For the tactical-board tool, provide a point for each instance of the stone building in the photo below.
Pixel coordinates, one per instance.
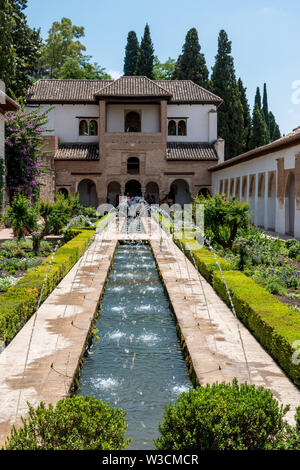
(129, 136)
(269, 178)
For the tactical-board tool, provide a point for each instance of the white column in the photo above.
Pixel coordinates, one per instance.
(256, 200)
(266, 215)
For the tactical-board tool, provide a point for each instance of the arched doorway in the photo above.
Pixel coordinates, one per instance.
(152, 191)
(271, 202)
(260, 221)
(205, 192)
(290, 205)
(252, 196)
(64, 192)
(180, 192)
(133, 188)
(87, 193)
(113, 191)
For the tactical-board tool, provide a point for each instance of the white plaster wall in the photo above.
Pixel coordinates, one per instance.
(63, 122)
(263, 164)
(115, 117)
(201, 125)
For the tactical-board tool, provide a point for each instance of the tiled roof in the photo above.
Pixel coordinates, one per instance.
(55, 91)
(77, 152)
(187, 91)
(85, 91)
(133, 86)
(190, 151)
(287, 140)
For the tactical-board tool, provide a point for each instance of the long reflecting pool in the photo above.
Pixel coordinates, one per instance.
(137, 364)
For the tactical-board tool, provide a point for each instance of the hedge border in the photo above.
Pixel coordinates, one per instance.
(19, 303)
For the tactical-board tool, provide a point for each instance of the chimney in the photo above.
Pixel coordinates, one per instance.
(220, 149)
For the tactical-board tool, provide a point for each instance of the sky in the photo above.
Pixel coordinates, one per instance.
(265, 37)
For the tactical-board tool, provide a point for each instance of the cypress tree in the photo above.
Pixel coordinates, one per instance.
(265, 106)
(259, 132)
(191, 64)
(257, 98)
(145, 59)
(230, 114)
(131, 54)
(246, 114)
(274, 128)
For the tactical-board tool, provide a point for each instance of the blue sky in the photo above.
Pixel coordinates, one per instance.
(265, 37)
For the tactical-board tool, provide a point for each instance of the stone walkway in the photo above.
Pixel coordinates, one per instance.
(57, 334)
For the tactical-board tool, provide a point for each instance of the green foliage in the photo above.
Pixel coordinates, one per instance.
(191, 64)
(163, 71)
(231, 113)
(259, 132)
(131, 54)
(257, 100)
(223, 218)
(293, 247)
(265, 107)
(145, 59)
(246, 115)
(22, 216)
(77, 423)
(223, 417)
(81, 69)
(273, 323)
(20, 302)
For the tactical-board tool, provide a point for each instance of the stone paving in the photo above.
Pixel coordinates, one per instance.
(57, 334)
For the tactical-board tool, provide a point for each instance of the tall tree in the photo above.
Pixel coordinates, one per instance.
(131, 54)
(259, 132)
(230, 114)
(20, 47)
(61, 45)
(146, 55)
(76, 68)
(266, 106)
(163, 70)
(246, 114)
(191, 64)
(274, 128)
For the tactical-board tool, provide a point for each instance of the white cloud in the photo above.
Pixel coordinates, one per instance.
(114, 74)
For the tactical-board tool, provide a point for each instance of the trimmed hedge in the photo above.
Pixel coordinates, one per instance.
(19, 303)
(272, 322)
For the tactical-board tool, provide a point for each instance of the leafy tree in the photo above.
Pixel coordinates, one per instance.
(20, 47)
(77, 423)
(163, 70)
(259, 132)
(224, 218)
(231, 113)
(191, 64)
(246, 114)
(223, 417)
(131, 54)
(62, 44)
(146, 55)
(81, 68)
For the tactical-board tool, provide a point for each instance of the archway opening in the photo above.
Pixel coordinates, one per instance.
(261, 201)
(204, 192)
(152, 193)
(133, 166)
(113, 193)
(133, 188)
(271, 202)
(290, 205)
(64, 192)
(132, 122)
(180, 192)
(87, 193)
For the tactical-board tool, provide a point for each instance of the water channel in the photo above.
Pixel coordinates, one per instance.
(137, 363)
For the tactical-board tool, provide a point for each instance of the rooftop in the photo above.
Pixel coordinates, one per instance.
(90, 91)
(178, 151)
(77, 152)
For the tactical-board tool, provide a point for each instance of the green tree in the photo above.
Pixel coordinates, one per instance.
(146, 55)
(61, 45)
(274, 128)
(257, 100)
(259, 131)
(131, 54)
(81, 68)
(191, 64)
(20, 47)
(265, 107)
(163, 70)
(246, 115)
(230, 114)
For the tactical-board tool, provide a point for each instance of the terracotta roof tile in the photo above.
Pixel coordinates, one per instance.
(133, 86)
(187, 91)
(77, 152)
(65, 90)
(190, 151)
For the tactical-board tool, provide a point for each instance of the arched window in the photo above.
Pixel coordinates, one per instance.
(83, 127)
(132, 122)
(133, 166)
(182, 128)
(93, 128)
(64, 192)
(172, 128)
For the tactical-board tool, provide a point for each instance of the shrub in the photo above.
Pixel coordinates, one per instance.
(274, 324)
(78, 423)
(223, 417)
(293, 247)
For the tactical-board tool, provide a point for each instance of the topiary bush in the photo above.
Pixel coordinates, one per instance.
(77, 423)
(223, 417)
